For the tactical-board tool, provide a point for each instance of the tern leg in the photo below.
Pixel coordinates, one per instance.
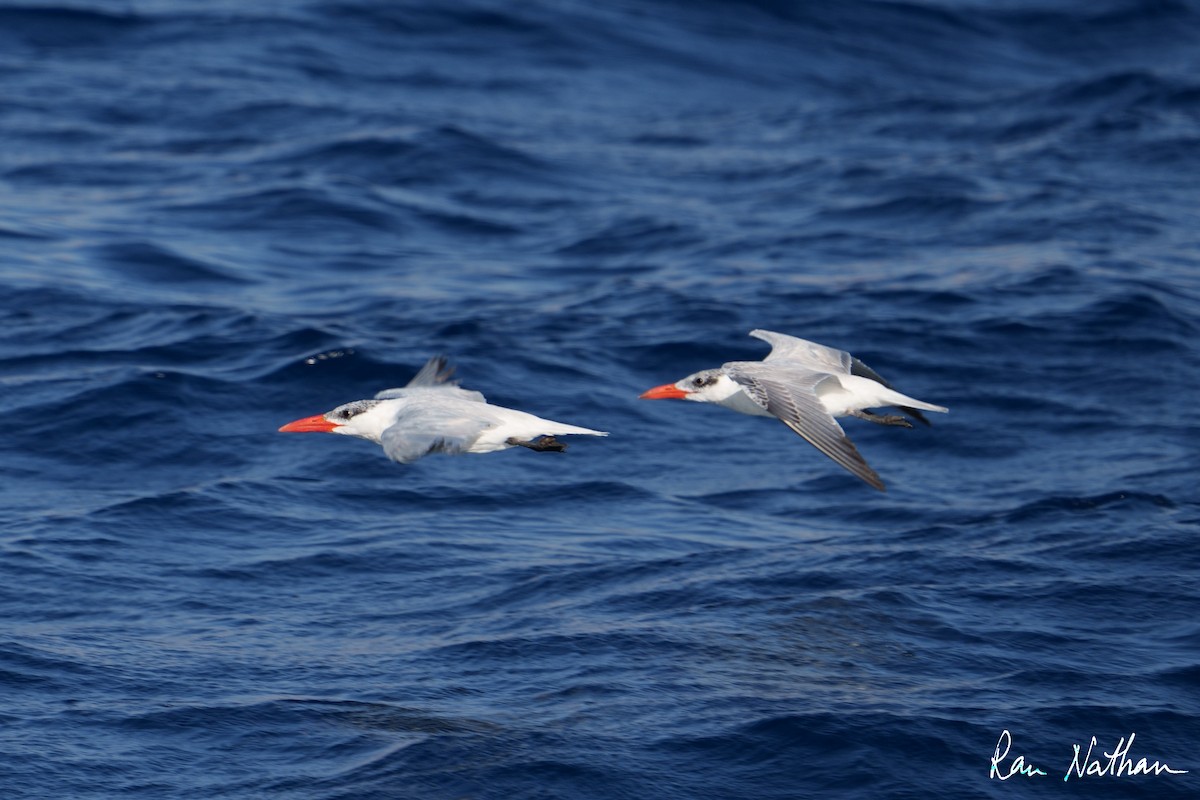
(540, 444)
(882, 419)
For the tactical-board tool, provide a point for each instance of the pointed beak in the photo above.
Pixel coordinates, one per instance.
(313, 424)
(668, 391)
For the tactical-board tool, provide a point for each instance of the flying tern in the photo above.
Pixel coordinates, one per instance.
(806, 386)
(433, 415)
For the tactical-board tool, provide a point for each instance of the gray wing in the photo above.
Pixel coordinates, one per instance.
(436, 371)
(809, 354)
(436, 374)
(791, 395)
(423, 429)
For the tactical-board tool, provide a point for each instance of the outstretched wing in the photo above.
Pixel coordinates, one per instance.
(422, 429)
(791, 395)
(437, 370)
(805, 353)
(436, 374)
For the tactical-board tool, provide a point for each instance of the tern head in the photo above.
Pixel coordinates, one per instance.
(362, 418)
(705, 386)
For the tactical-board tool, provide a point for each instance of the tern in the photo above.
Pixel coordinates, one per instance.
(806, 386)
(433, 415)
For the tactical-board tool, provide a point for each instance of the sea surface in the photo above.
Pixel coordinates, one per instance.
(217, 216)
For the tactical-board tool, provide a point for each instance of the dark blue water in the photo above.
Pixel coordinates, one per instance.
(217, 217)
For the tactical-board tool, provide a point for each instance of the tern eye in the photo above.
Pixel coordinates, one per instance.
(350, 410)
(697, 382)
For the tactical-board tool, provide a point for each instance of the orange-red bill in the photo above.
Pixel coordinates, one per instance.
(668, 391)
(315, 423)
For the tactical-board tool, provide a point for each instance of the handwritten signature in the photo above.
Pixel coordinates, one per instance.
(1116, 764)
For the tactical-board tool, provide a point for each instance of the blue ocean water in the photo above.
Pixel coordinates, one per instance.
(220, 216)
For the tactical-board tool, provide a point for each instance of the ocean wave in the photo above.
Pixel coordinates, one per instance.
(60, 26)
(218, 219)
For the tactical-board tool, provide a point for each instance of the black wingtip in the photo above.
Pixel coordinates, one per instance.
(868, 476)
(917, 415)
(437, 370)
(444, 369)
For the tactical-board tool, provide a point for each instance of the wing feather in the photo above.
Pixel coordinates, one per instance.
(436, 371)
(791, 395)
(805, 353)
(421, 429)
(436, 374)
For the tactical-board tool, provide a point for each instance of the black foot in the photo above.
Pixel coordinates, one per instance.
(541, 444)
(883, 419)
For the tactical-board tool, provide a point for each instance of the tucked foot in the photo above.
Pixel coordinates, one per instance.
(542, 443)
(883, 419)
